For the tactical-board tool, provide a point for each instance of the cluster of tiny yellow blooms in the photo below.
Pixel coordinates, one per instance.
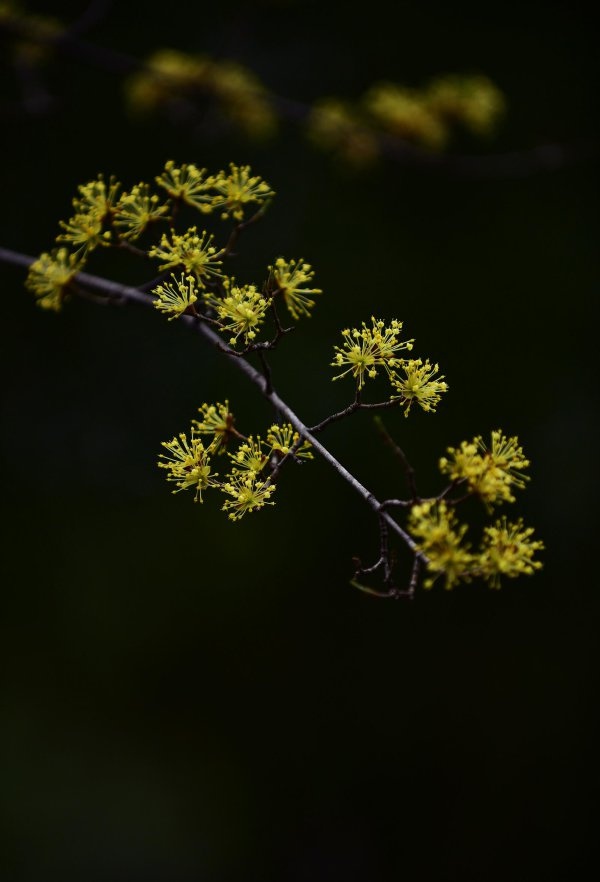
(241, 310)
(285, 439)
(170, 77)
(137, 209)
(50, 276)
(217, 420)
(289, 277)
(248, 486)
(90, 224)
(103, 215)
(418, 383)
(506, 548)
(441, 538)
(195, 253)
(177, 298)
(406, 113)
(235, 190)
(188, 464)
(473, 101)
(489, 472)
(334, 125)
(426, 117)
(188, 184)
(367, 348)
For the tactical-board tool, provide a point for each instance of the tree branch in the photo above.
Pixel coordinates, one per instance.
(134, 295)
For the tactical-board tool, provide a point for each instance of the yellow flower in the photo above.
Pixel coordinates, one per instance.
(243, 97)
(97, 198)
(241, 311)
(137, 209)
(333, 124)
(440, 537)
(195, 253)
(491, 472)
(50, 275)
(507, 550)
(176, 299)
(283, 437)
(167, 74)
(473, 100)
(84, 231)
(237, 189)
(247, 493)
(405, 113)
(188, 464)
(217, 420)
(94, 207)
(289, 278)
(250, 457)
(418, 385)
(187, 183)
(364, 350)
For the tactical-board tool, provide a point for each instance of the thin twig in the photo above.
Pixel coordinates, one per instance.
(266, 371)
(352, 408)
(397, 450)
(240, 228)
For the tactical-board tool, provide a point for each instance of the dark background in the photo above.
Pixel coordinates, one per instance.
(184, 698)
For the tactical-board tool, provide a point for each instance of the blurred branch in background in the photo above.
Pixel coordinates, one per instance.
(205, 298)
(414, 127)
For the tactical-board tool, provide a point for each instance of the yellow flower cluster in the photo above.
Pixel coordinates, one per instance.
(103, 217)
(473, 101)
(490, 472)
(334, 125)
(50, 275)
(186, 183)
(195, 253)
(289, 278)
(366, 349)
(237, 189)
(405, 114)
(248, 493)
(90, 225)
(284, 439)
(441, 538)
(241, 310)
(506, 548)
(229, 191)
(426, 117)
(188, 464)
(248, 486)
(217, 420)
(176, 79)
(176, 299)
(137, 209)
(250, 458)
(418, 384)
